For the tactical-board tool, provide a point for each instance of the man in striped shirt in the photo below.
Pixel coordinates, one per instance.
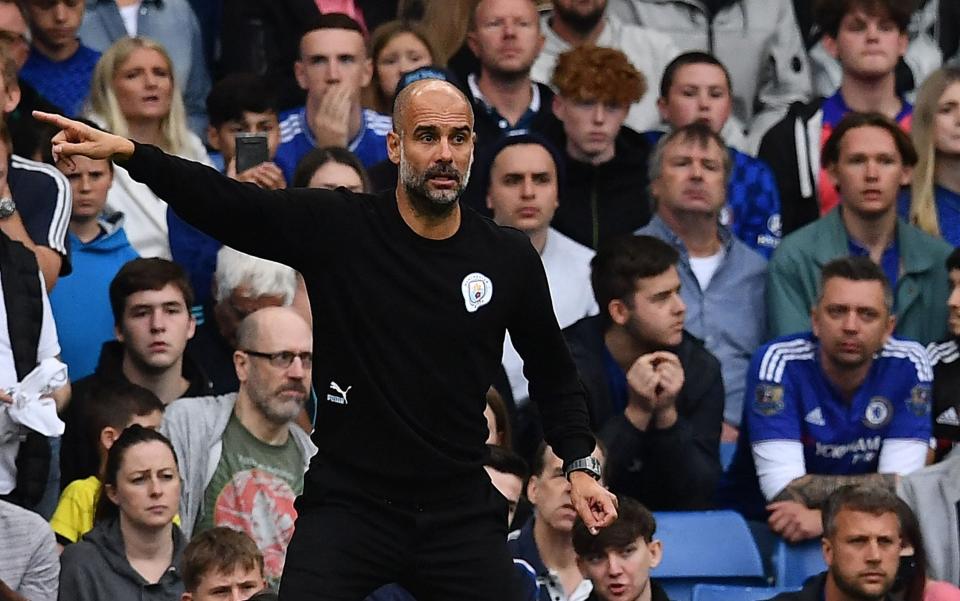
(844, 404)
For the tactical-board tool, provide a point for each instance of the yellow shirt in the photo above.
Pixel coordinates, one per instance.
(74, 514)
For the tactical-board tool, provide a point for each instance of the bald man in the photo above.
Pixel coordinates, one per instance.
(249, 439)
(414, 296)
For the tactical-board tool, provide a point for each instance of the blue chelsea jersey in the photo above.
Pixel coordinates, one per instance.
(790, 399)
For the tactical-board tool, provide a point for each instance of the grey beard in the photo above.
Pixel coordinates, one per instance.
(435, 203)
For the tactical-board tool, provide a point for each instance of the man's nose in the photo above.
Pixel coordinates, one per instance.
(296, 368)
(527, 189)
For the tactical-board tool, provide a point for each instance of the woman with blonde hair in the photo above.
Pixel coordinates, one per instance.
(935, 193)
(134, 93)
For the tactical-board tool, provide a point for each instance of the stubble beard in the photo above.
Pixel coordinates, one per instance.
(435, 203)
(579, 22)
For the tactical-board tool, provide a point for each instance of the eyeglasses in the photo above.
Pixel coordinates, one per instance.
(283, 359)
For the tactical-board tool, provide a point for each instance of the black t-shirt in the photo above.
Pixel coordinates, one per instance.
(408, 331)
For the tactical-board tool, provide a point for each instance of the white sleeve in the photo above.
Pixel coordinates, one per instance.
(902, 456)
(48, 345)
(778, 463)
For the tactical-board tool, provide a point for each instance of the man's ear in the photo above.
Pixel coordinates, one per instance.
(108, 436)
(213, 138)
(241, 363)
(12, 99)
(907, 176)
(830, 45)
(533, 489)
(662, 107)
(393, 147)
(186, 596)
(656, 552)
(367, 72)
(300, 73)
(559, 107)
(827, 548)
(619, 311)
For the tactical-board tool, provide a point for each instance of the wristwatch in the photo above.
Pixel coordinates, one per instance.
(590, 465)
(7, 207)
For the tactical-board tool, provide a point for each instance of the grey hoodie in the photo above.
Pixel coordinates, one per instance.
(96, 569)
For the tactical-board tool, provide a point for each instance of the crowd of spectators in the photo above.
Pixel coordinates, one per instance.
(746, 212)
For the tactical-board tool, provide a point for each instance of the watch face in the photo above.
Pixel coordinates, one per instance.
(7, 207)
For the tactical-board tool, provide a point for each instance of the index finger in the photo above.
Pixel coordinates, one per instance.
(54, 119)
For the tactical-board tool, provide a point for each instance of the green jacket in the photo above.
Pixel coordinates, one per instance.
(920, 295)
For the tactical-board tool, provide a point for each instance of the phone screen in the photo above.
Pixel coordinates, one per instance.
(251, 150)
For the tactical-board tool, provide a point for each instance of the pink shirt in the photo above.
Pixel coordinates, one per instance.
(940, 591)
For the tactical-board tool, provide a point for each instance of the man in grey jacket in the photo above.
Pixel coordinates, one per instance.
(241, 456)
(934, 493)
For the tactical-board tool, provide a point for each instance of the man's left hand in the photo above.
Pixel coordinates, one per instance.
(794, 521)
(596, 505)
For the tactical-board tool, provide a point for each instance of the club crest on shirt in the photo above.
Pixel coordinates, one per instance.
(477, 291)
(768, 400)
(878, 413)
(919, 401)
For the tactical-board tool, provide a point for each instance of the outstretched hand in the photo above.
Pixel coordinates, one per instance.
(76, 138)
(596, 505)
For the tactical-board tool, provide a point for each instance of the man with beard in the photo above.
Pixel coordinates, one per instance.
(576, 23)
(862, 541)
(656, 393)
(844, 404)
(241, 455)
(413, 298)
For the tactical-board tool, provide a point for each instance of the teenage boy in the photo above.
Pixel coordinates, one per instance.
(618, 560)
(868, 37)
(221, 563)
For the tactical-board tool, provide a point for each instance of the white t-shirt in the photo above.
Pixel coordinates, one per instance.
(567, 265)
(704, 267)
(129, 15)
(48, 346)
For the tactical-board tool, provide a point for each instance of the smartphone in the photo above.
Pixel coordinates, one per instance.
(251, 150)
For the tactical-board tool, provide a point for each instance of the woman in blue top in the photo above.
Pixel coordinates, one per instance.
(935, 203)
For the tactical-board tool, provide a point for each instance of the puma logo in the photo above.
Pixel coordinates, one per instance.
(340, 397)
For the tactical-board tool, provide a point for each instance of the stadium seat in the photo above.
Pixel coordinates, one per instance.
(713, 547)
(793, 564)
(719, 592)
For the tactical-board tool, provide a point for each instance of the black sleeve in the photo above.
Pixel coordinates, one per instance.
(280, 225)
(547, 364)
(673, 469)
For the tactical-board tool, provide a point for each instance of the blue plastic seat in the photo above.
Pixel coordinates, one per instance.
(793, 564)
(713, 547)
(719, 592)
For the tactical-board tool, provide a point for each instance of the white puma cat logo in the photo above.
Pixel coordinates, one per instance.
(340, 397)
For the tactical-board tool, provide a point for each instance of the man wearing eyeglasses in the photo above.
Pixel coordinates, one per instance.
(241, 456)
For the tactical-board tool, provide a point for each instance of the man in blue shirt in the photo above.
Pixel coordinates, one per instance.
(333, 67)
(689, 172)
(696, 87)
(845, 404)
